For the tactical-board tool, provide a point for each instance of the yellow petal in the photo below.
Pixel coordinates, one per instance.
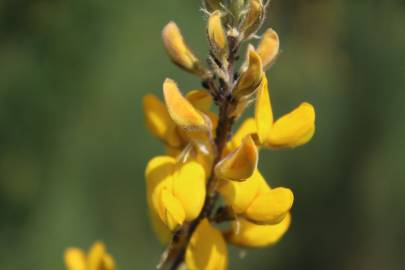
(247, 234)
(250, 78)
(293, 129)
(189, 188)
(75, 259)
(269, 47)
(162, 232)
(181, 110)
(239, 164)
(207, 249)
(271, 207)
(216, 32)
(178, 50)
(263, 112)
(174, 214)
(95, 257)
(158, 176)
(159, 122)
(240, 195)
(247, 127)
(200, 99)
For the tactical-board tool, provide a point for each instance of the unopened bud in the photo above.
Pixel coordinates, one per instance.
(269, 47)
(251, 77)
(253, 19)
(216, 34)
(179, 52)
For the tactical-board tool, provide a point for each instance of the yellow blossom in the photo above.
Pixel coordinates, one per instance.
(175, 190)
(96, 259)
(291, 130)
(254, 200)
(207, 249)
(239, 164)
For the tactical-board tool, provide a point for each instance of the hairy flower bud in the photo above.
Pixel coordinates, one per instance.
(254, 18)
(216, 34)
(179, 52)
(250, 78)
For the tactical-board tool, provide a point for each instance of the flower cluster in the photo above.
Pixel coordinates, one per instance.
(204, 161)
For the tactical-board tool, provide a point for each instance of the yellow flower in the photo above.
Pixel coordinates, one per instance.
(207, 249)
(175, 190)
(291, 130)
(96, 259)
(254, 200)
(239, 164)
(248, 234)
(177, 134)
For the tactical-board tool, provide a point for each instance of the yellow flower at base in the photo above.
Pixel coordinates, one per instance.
(96, 259)
(207, 249)
(175, 190)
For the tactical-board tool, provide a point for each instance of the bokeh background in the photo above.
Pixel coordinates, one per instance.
(73, 145)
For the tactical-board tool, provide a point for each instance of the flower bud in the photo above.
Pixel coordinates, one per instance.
(250, 78)
(179, 52)
(216, 34)
(253, 19)
(181, 110)
(240, 164)
(269, 47)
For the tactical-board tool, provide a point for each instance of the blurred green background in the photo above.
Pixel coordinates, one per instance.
(73, 145)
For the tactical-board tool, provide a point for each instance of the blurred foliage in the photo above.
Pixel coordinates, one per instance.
(73, 145)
